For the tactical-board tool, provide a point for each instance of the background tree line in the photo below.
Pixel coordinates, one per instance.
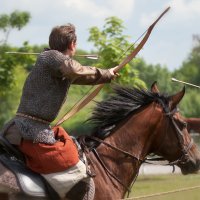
(110, 43)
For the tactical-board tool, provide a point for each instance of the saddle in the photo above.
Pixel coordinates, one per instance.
(31, 183)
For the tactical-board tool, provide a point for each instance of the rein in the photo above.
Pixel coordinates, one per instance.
(184, 157)
(179, 134)
(184, 150)
(134, 157)
(127, 154)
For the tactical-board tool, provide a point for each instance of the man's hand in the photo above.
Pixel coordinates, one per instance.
(113, 72)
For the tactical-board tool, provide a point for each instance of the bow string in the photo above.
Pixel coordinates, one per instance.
(88, 97)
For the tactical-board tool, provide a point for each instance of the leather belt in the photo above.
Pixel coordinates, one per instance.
(33, 118)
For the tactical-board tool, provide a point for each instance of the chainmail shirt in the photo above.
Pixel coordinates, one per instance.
(45, 91)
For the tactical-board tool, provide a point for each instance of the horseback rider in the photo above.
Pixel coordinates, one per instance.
(50, 151)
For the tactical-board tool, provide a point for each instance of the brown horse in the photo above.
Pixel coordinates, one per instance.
(131, 124)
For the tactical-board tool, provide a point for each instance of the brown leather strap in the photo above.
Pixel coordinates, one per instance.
(33, 118)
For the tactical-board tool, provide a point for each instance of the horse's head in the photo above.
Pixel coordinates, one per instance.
(173, 141)
(140, 122)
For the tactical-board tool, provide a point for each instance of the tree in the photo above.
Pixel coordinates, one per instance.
(9, 64)
(111, 43)
(190, 69)
(150, 73)
(190, 105)
(190, 72)
(16, 20)
(9, 100)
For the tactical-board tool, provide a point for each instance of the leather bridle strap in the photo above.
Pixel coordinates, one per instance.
(134, 157)
(127, 154)
(184, 150)
(108, 171)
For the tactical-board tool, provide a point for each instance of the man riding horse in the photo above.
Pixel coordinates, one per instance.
(51, 152)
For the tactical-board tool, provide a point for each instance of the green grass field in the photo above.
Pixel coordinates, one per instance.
(152, 184)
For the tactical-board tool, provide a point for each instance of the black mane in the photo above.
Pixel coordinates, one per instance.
(120, 104)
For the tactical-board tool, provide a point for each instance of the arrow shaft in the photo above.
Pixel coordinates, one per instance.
(89, 97)
(90, 56)
(186, 83)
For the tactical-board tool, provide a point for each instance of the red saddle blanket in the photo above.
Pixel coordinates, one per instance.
(50, 158)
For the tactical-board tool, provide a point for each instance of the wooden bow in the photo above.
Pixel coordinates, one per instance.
(85, 100)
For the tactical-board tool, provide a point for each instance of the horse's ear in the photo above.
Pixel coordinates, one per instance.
(154, 87)
(175, 99)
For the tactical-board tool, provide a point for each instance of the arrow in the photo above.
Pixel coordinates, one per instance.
(175, 80)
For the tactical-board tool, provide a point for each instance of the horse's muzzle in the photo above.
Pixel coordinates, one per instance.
(189, 167)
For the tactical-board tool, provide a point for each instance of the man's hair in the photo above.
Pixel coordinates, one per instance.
(61, 37)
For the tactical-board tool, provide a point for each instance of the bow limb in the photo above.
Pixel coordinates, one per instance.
(85, 100)
(141, 44)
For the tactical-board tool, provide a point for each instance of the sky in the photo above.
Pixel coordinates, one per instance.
(169, 44)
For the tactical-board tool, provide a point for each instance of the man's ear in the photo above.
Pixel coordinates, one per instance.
(71, 46)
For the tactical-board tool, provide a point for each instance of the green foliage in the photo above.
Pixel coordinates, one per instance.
(19, 19)
(150, 73)
(190, 105)
(111, 44)
(4, 21)
(9, 100)
(9, 61)
(190, 72)
(16, 20)
(6, 68)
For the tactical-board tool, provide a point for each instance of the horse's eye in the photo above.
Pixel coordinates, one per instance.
(183, 124)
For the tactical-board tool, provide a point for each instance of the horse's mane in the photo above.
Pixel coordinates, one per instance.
(123, 102)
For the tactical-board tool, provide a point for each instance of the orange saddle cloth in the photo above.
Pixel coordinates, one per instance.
(50, 158)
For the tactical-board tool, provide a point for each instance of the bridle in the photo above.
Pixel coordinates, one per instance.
(180, 137)
(83, 143)
(179, 134)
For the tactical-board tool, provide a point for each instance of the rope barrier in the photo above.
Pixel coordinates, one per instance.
(164, 193)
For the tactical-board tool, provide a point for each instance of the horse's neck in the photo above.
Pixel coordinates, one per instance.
(136, 134)
(132, 136)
